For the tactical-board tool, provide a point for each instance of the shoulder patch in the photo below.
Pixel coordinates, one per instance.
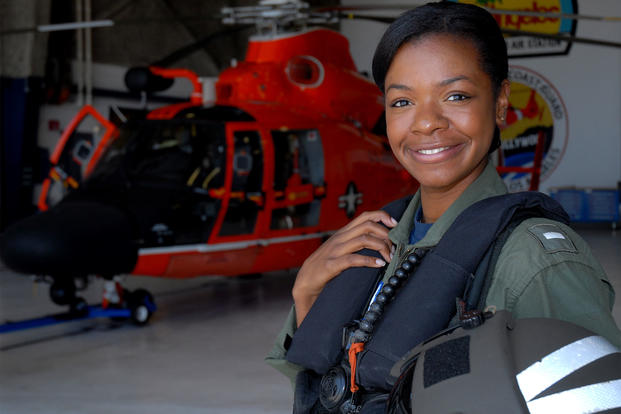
(552, 238)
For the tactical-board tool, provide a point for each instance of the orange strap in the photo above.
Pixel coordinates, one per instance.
(354, 349)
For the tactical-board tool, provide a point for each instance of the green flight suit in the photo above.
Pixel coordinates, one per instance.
(544, 269)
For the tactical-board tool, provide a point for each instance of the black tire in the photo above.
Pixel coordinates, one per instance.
(141, 304)
(62, 292)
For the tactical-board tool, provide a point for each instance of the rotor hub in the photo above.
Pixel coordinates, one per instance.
(277, 16)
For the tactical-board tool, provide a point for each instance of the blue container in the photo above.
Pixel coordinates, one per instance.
(589, 205)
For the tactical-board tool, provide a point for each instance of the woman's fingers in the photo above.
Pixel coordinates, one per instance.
(340, 252)
(364, 241)
(339, 264)
(369, 235)
(378, 216)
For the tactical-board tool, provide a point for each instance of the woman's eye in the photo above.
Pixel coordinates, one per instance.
(399, 103)
(457, 97)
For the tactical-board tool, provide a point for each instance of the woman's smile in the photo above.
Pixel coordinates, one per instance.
(435, 154)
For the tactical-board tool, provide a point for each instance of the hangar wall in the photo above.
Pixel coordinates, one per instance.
(22, 62)
(587, 81)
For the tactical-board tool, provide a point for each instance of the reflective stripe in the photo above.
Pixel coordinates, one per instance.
(588, 399)
(553, 235)
(562, 362)
(377, 291)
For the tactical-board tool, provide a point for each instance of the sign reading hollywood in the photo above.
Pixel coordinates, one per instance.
(536, 111)
(523, 46)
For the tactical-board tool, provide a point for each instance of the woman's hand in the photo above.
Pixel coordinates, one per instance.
(369, 230)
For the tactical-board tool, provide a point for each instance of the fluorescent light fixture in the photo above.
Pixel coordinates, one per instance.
(74, 25)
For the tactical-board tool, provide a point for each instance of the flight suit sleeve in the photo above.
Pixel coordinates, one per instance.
(546, 270)
(277, 355)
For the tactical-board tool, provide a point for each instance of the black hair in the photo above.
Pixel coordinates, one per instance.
(461, 20)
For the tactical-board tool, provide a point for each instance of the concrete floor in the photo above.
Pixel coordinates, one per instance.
(202, 352)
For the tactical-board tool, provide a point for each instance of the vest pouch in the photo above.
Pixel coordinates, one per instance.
(374, 369)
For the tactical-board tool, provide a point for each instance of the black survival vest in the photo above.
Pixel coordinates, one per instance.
(425, 304)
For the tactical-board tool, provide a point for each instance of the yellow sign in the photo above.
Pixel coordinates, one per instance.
(542, 20)
(536, 116)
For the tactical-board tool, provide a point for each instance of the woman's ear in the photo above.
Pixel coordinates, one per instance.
(502, 102)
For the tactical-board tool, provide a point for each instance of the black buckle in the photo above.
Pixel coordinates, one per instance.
(334, 389)
(470, 319)
(348, 331)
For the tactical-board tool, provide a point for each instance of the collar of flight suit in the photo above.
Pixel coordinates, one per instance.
(488, 184)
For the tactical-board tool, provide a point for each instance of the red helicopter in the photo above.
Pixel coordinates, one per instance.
(293, 147)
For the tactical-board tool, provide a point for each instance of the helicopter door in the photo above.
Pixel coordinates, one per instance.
(299, 182)
(245, 199)
(78, 150)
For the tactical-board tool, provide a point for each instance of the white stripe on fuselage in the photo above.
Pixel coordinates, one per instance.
(220, 247)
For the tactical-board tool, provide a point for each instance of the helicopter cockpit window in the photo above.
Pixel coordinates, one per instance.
(74, 158)
(298, 175)
(246, 190)
(166, 170)
(166, 153)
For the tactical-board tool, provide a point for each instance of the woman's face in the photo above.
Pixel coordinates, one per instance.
(441, 112)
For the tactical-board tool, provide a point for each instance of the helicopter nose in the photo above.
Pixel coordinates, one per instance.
(71, 239)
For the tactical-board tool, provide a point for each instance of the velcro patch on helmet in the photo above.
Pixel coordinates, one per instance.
(446, 360)
(552, 238)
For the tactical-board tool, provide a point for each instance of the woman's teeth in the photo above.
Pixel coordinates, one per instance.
(433, 151)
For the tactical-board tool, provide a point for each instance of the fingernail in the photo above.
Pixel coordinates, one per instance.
(393, 220)
(392, 249)
(392, 255)
(380, 262)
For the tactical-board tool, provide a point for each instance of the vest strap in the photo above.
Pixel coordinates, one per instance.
(354, 350)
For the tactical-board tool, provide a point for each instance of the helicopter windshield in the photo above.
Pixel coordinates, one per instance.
(161, 172)
(164, 153)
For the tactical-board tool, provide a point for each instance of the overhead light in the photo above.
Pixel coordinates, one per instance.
(74, 25)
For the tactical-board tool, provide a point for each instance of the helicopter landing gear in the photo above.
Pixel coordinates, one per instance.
(63, 292)
(118, 304)
(139, 303)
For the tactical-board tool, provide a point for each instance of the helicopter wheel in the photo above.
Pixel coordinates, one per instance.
(141, 305)
(62, 292)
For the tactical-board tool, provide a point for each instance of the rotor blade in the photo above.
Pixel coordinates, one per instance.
(567, 38)
(563, 37)
(199, 44)
(403, 7)
(380, 19)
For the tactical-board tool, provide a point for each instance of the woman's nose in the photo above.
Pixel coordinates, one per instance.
(428, 117)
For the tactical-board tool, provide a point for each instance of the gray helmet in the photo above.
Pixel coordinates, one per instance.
(536, 365)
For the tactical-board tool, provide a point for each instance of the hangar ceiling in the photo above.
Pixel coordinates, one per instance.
(144, 32)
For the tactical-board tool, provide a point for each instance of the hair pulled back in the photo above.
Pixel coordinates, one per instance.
(462, 20)
(466, 21)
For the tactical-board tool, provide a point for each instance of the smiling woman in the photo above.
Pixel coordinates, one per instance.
(441, 115)
(390, 279)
